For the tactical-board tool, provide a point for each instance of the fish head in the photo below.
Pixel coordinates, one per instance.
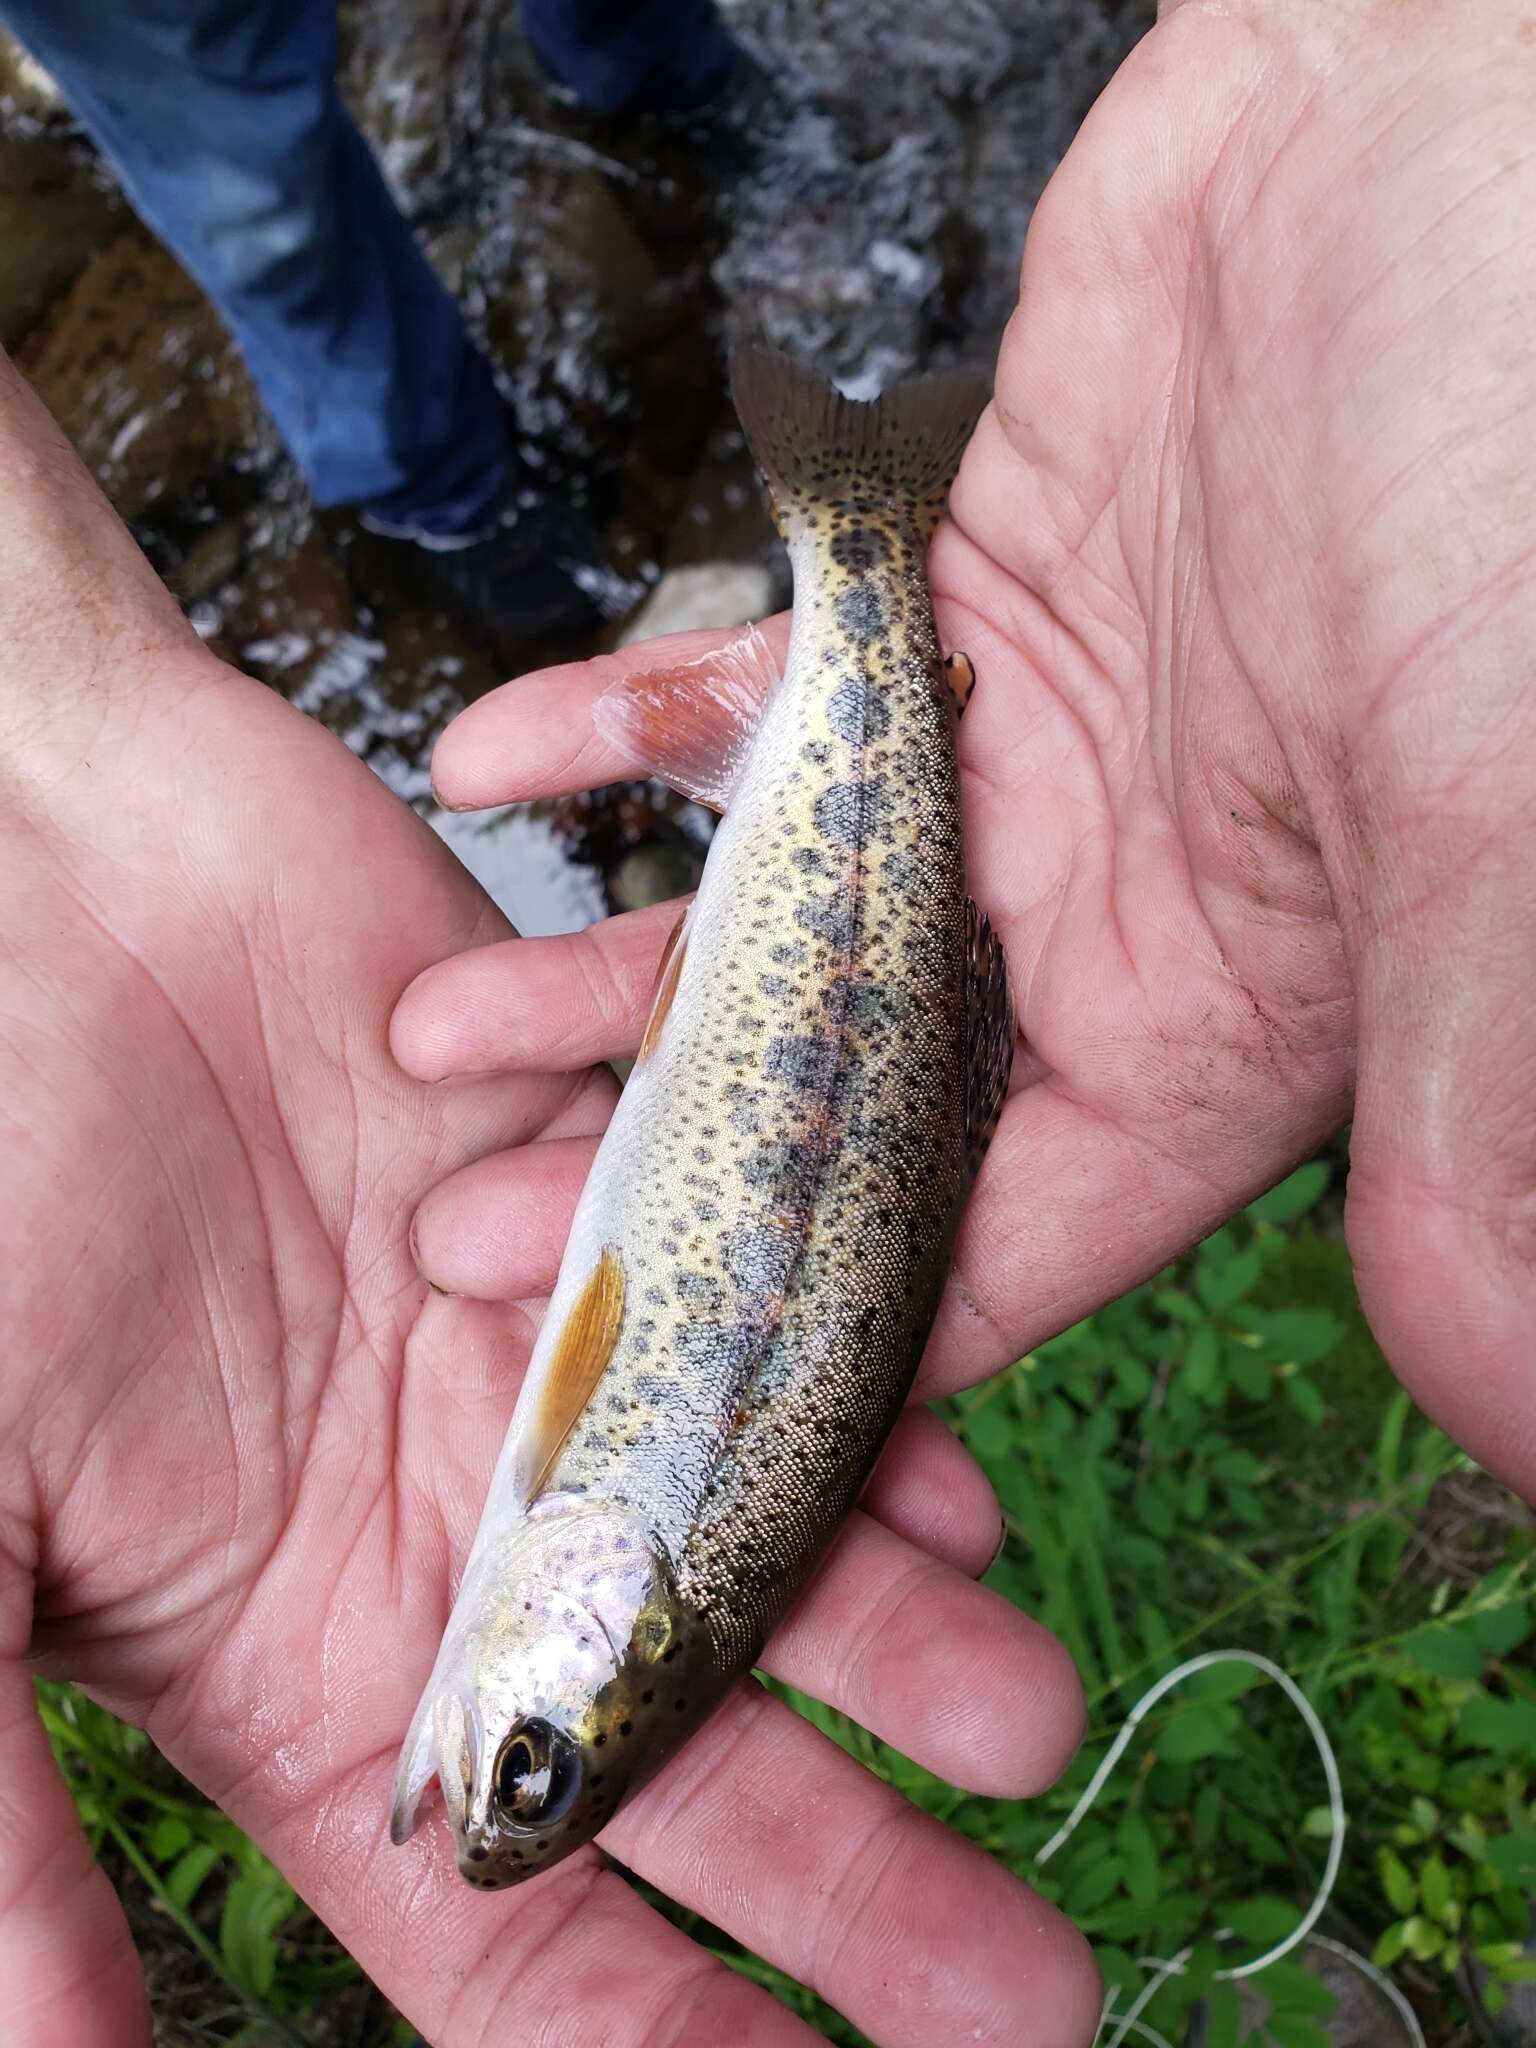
(536, 1719)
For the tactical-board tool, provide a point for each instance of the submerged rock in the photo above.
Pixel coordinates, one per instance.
(704, 594)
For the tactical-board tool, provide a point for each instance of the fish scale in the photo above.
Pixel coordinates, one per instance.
(759, 1251)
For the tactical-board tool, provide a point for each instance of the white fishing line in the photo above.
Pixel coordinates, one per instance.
(1130, 2021)
(1383, 1983)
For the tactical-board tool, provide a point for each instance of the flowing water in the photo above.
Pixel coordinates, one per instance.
(606, 279)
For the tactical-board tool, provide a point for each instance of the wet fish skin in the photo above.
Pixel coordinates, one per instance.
(764, 1236)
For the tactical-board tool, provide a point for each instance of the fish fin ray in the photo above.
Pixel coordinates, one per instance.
(668, 973)
(692, 725)
(415, 1772)
(991, 1027)
(815, 447)
(580, 1357)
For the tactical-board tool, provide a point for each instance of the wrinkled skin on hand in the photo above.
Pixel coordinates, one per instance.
(1241, 555)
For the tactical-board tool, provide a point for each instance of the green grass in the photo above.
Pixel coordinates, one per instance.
(1221, 1459)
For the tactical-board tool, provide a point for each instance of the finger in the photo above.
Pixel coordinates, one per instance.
(577, 1957)
(536, 736)
(496, 1230)
(907, 1646)
(928, 1488)
(546, 1005)
(775, 1834)
(67, 1959)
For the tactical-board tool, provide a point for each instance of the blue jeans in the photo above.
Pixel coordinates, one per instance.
(224, 123)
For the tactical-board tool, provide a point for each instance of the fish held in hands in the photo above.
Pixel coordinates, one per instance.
(758, 1254)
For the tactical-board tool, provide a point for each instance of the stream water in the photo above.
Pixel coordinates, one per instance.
(607, 283)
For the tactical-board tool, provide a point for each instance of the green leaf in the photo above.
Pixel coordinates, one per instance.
(1207, 1814)
(1447, 1651)
(1435, 1887)
(1095, 1886)
(1423, 1938)
(1502, 1628)
(1221, 1284)
(1506, 1727)
(1301, 1335)
(1194, 1733)
(187, 1878)
(168, 1837)
(1262, 1921)
(1295, 2030)
(1398, 1887)
(1514, 1858)
(1134, 1839)
(1200, 1360)
(1252, 1375)
(1294, 1196)
(1304, 1398)
(255, 1906)
(1223, 2017)
(1390, 1946)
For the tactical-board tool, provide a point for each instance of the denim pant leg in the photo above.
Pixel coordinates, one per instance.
(666, 56)
(223, 120)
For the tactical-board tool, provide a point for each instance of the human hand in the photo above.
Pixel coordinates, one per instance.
(243, 1450)
(1242, 556)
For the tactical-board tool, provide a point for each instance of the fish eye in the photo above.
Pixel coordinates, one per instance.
(536, 1774)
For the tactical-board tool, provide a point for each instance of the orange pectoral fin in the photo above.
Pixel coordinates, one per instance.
(581, 1356)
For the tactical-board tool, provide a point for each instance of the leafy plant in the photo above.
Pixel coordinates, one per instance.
(1220, 1459)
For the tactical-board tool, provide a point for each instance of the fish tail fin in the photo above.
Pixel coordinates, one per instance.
(818, 449)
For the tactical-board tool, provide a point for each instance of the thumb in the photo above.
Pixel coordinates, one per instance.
(67, 1960)
(1441, 1214)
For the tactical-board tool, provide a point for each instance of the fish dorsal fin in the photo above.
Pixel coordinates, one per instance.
(990, 1030)
(668, 974)
(580, 1357)
(891, 457)
(692, 724)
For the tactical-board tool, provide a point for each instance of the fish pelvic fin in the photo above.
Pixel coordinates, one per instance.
(817, 449)
(990, 1030)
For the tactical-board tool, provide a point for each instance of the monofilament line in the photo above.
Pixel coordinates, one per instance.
(1130, 2022)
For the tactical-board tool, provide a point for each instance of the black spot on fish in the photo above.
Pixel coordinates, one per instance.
(779, 1170)
(699, 1290)
(860, 548)
(711, 1347)
(857, 713)
(849, 813)
(805, 1063)
(776, 988)
(810, 860)
(757, 1257)
(861, 613)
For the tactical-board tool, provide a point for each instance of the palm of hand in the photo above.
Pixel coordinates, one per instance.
(259, 1565)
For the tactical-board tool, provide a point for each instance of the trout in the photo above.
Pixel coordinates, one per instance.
(758, 1253)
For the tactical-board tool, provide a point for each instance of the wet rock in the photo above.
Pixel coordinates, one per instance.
(55, 212)
(25, 87)
(209, 563)
(703, 594)
(135, 366)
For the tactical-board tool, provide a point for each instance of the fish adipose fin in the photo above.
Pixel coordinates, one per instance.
(692, 724)
(581, 1357)
(990, 1030)
(818, 449)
